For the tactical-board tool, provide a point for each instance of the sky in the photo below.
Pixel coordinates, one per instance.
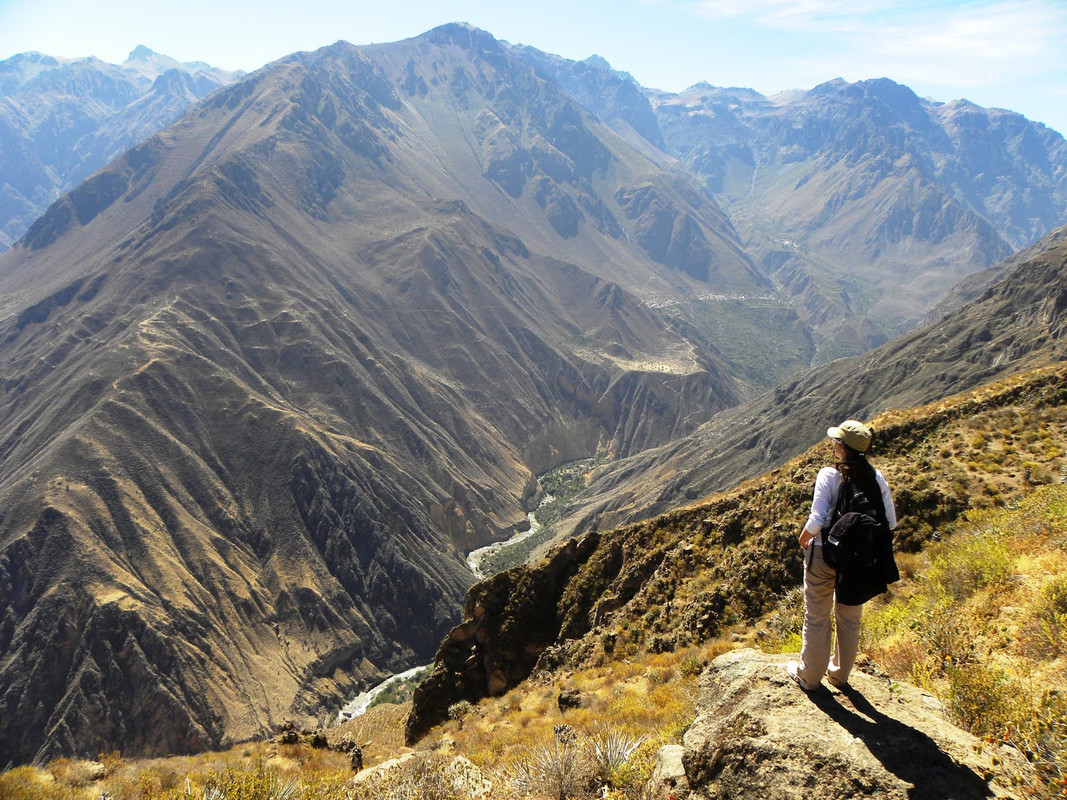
(996, 53)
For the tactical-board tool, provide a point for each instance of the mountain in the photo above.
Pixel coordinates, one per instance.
(1017, 324)
(973, 285)
(866, 202)
(863, 202)
(63, 119)
(267, 376)
(614, 96)
(727, 569)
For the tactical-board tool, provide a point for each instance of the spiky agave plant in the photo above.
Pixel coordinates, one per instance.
(612, 748)
(555, 769)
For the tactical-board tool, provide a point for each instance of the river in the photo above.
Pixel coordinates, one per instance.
(361, 702)
(475, 557)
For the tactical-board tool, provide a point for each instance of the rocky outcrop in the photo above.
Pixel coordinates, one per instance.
(509, 621)
(757, 735)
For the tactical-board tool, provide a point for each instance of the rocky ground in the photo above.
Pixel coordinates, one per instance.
(758, 735)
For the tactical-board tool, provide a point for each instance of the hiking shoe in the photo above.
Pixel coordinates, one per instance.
(793, 670)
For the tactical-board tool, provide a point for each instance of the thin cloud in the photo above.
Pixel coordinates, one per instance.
(961, 45)
(826, 15)
(1003, 33)
(992, 45)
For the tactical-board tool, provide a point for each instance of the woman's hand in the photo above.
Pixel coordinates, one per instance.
(805, 537)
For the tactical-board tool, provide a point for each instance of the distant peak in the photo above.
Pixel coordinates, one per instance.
(600, 63)
(597, 61)
(889, 87)
(141, 53)
(462, 34)
(173, 81)
(734, 92)
(34, 57)
(830, 86)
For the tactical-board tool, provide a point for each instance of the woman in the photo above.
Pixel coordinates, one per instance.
(850, 441)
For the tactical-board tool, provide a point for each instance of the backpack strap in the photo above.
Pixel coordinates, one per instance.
(842, 503)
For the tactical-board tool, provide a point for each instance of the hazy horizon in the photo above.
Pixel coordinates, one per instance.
(1005, 54)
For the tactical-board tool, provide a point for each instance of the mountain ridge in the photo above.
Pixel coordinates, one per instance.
(861, 200)
(1014, 325)
(62, 119)
(338, 379)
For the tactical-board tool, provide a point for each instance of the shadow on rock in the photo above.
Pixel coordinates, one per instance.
(757, 736)
(908, 753)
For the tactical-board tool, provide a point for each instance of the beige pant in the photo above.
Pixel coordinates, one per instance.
(815, 643)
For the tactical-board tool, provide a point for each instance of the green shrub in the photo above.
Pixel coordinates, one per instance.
(969, 563)
(690, 667)
(1043, 631)
(945, 635)
(982, 700)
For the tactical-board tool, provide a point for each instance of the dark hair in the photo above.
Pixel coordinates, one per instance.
(857, 470)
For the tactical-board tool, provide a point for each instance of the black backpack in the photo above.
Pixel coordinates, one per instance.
(859, 546)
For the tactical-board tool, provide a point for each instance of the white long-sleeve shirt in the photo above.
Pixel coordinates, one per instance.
(827, 485)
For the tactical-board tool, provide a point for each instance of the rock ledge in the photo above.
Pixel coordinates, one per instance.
(758, 735)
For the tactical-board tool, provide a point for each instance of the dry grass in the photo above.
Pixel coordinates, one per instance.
(628, 710)
(251, 771)
(983, 625)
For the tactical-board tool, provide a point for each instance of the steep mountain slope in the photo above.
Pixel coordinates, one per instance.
(974, 285)
(850, 190)
(1019, 323)
(550, 165)
(265, 377)
(63, 119)
(864, 202)
(615, 97)
(761, 334)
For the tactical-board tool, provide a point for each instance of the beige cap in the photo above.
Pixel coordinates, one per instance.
(851, 434)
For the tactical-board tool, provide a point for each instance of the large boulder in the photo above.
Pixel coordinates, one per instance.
(758, 735)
